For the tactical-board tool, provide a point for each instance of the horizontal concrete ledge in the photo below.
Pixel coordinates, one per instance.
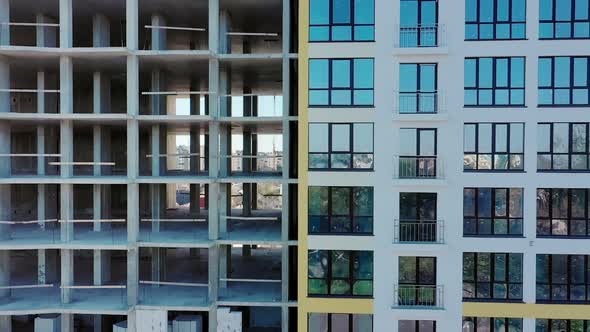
(527, 310)
(60, 310)
(250, 304)
(171, 308)
(202, 245)
(417, 51)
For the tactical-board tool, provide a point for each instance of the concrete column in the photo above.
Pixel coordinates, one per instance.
(66, 147)
(4, 29)
(224, 28)
(65, 23)
(195, 147)
(101, 31)
(132, 212)
(158, 264)
(158, 35)
(6, 323)
(132, 149)
(195, 199)
(155, 150)
(46, 36)
(224, 261)
(40, 93)
(101, 267)
(223, 206)
(96, 149)
(156, 199)
(67, 322)
(66, 211)
(4, 82)
(105, 150)
(101, 101)
(66, 82)
(40, 150)
(158, 102)
(67, 274)
(132, 11)
(132, 82)
(41, 206)
(41, 266)
(4, 272)
(5, 170)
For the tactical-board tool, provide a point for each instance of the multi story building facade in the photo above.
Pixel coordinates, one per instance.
(446, 165)
(281, 165)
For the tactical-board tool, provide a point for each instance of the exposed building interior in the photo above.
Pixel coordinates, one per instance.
(148, 170)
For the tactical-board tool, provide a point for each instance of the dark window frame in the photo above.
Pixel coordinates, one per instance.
(569, 328)
(492, 320)
(550, 218)
(352, 217)
(476, 284)
(414, 286)
(351, 152)
(352, 25)
(418, 93)
(493, 217)
(554, 22)
(351, 88)
(494, 22)
(493, 152)
(568, 284)
(551, 154)
(570, 88)
(417, 324)
(429, 163)
(416, 29)
(494, 87)
(329, 278)
(329, 319)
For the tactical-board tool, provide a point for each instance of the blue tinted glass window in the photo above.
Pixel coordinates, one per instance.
(546, 9)
(427, 78)
(563, 10)
(580, 72)
(363, 73)
(564, 19)
(562, 72)
(418, 23)
(341, 82)
(319, 11)
(564, 81)
(545, 70)
(342, 20)
(408, 77)
(582, 11)
(494, 81)
(409, 13)
(495, 19)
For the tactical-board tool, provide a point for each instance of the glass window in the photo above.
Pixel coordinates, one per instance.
(564, 81)
(340, 272)
(418, 218)
(341, 82)
(495, 19)
(340, 146)
(418, 153)
(417, 326)
(493, 146)
(561, 325)
(492, 324)
(492, 211)
(563, 147)
(494, 81)
(341, 20)
(339, 322)
(340, 210)
(418, 88)
(495, 276)
(563, 212)
(564, 19)
(418, 23)
(563, 278)
(417, 281)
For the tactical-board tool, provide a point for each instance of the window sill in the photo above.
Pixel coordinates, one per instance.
(493, 171)
(340, 41)
(564, 237)
(342, 234)
(493, 106)
(562, 106)
(562, 302)
(361, 297)
(566, 171)
(340, 170)
(495, 39)
(341, 106)
(567, 38)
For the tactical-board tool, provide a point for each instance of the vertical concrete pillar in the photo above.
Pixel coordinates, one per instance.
(96, 207)
(101, 100)
(101, 267)
(66, 148)
(157, 101)
(4, 272)
(41, 205)
(46, 36)
(195, 147)
(4, 29)
(40, 92)
(155, 140)
(6, 323)
(96, 149)
(195, 199)
(5, 170)
(224, 28)
(132, 11)
(67, 274)
(41, 266)
(223, 261)
(66, 84)
(65, 23)
(66, 212)
(40, 150)
(67, 322)
(156, 204)
(101, 31)
(158, 268)
(158, 35)
(105, 150)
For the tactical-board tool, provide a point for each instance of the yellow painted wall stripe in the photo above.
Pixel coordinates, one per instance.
(527, 310)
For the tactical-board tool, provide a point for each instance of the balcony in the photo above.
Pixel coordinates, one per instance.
(420, 35)
(418, 296)
(418, 231)
(419, 102)
(418, 167)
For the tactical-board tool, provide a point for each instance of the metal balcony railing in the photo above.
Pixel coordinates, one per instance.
(428, 296)
(418, 231)
(418, 167)
(421, 35)
(419, 102)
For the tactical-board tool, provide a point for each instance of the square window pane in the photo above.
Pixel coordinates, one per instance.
(341, 97)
